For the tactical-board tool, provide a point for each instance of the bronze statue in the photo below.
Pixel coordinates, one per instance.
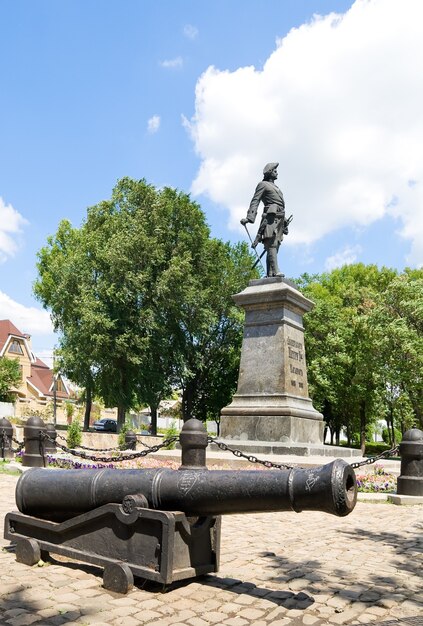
(273, 225)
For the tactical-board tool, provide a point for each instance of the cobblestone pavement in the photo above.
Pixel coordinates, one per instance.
(278, 568)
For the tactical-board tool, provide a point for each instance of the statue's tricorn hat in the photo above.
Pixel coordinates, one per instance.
(269, 167)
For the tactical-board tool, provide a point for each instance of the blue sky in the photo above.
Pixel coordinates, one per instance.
(199, 95)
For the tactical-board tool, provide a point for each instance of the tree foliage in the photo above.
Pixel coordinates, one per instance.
(141, 295)
(10, 376)
(364, 347)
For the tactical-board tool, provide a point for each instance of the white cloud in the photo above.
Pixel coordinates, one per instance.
(338, 104)
(153, 124)
(344, 257)
(172, 64)
(190, 31)
(27, 319)
(11, 224)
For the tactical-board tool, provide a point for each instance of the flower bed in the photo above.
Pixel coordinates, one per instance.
(377, 481)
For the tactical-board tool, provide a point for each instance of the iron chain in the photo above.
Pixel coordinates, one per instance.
(152, 449)
(254, 459)
(20, 444)
(374, 459)
(6, 443)
(116, 458)
(248, 457)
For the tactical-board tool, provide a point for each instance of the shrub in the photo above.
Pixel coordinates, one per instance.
(69, 410)
(172, 431)
(121, 437)
(385, 435)
(376, 448)
(74, 436)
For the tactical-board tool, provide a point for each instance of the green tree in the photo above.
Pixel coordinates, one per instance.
(138, 293)
(345, 360)
(10, 376)
(398, 325)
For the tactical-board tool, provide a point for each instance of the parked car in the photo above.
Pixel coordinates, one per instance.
(106, 424)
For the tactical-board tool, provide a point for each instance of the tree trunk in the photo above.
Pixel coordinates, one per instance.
(187, 402)
(363, 427)
(88, 404)
(120, 417)
(391, 419)
(217, 420)
(153, 410)
(337, 436)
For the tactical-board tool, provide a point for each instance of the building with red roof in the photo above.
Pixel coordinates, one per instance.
(38, 383)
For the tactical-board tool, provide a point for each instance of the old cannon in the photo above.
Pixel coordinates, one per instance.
(159, 524)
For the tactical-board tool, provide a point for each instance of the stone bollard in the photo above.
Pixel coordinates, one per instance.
(6, 434)
(193, 439)
(130, 440)
(34, 455)
(50, 446)
(410, 481)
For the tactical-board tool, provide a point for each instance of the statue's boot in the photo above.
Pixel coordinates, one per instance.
(272, 263)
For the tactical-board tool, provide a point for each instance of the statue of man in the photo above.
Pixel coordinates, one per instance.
(273, 225)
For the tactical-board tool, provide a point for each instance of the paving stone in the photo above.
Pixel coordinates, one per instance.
(47, 613)
(214, 617)
(376, 610)
(197, 621)
(329, 567)
(366, 618)
(147, 616)
(370, 596)
(343, 618)
(24, 619)
(14, 612)
(122, 601)
(244, 599)
(338, 602)
(309, 620)
(128, 620)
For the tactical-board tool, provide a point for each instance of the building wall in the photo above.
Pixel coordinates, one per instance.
(24, 406)
(7, 409)
(24, 362)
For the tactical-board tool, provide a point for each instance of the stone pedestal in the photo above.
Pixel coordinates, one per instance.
(272, 402)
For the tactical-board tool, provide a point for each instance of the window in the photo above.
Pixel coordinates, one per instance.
(59, 385)
(16, 347)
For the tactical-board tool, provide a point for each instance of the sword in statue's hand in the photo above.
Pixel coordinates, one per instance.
(244, 223)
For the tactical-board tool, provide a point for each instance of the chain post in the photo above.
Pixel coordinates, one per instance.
(6, 438)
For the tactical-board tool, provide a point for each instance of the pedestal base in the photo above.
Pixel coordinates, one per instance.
(405, 500)
(285, 429)
(290, 449)
(271, 403)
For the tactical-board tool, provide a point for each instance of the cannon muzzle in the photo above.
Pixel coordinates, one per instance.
(61, 494)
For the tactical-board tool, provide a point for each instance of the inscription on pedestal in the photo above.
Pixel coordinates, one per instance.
(296, 362)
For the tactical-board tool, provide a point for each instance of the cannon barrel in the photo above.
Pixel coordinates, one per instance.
(61, 494)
